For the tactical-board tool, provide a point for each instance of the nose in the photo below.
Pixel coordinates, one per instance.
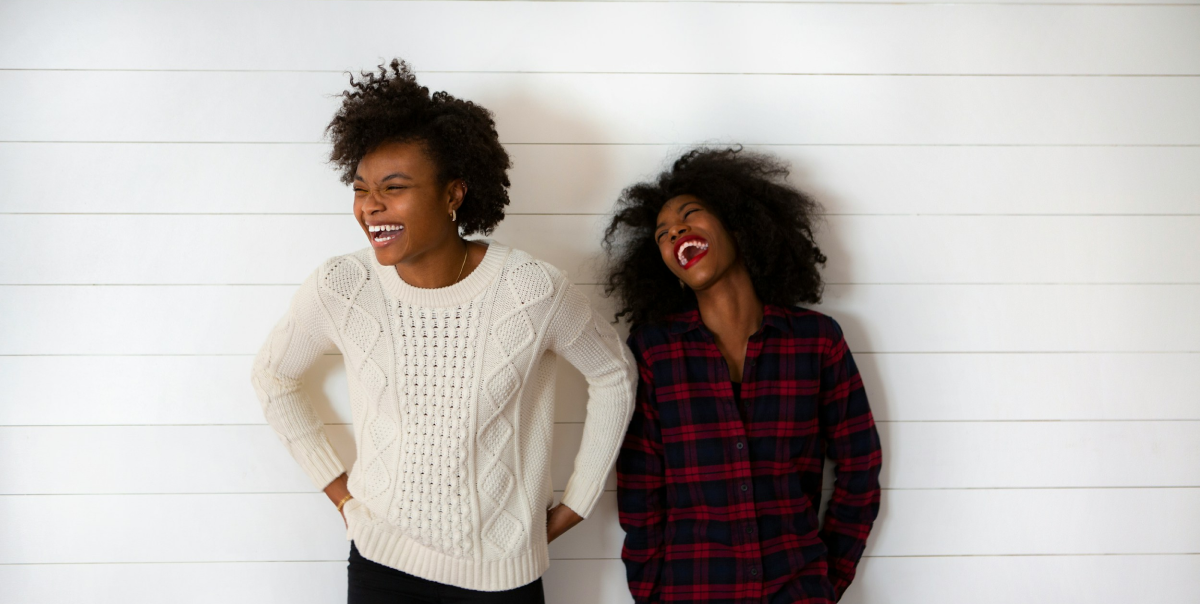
(678, 231)
(372, 203)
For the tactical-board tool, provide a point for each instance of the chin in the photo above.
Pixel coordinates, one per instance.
(698, 282)
(386, 258)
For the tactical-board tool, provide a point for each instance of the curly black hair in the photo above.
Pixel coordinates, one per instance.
(770, 221)
(459, 136)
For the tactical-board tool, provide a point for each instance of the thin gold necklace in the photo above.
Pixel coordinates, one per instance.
(464, 264)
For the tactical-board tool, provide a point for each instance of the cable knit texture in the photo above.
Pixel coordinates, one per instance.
(452, 397)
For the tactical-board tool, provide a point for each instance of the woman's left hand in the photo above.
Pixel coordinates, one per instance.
(559, 519)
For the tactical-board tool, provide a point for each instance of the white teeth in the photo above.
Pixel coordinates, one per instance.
(703, 245)
(385, 227)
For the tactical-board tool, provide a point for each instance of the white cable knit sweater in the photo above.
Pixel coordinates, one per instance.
(452, 396)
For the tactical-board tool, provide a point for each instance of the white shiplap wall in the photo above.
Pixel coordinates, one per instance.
(1013, 196)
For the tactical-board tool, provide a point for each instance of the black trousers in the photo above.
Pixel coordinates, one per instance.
(373, 583)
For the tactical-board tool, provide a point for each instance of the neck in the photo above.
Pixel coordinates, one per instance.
(730, 307)
(439, 266)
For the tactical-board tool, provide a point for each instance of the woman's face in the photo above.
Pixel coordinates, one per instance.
(693, 243)
(400, 205)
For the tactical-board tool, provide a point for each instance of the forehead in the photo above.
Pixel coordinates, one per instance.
(409, 158)
(677, 203)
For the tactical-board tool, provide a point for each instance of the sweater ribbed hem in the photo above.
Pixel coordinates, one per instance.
(382, 544)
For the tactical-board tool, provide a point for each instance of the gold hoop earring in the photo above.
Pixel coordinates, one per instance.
(453, 216)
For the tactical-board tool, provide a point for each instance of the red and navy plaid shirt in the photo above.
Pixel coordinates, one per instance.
(721, 509)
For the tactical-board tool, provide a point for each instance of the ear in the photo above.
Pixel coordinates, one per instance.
(456, 192)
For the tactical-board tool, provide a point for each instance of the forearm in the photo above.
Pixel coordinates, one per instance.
(599, 354)
(287, 354)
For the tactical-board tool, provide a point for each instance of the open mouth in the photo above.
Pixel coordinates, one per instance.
(689, 250)
(382, 234)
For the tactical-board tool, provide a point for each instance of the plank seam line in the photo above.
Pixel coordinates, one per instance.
(343, 561)
(574, 423)
(606, 490)
(839, 74)
(656, 144)
(594, 284)
(861, 352)
(865, 2)
(597, 214)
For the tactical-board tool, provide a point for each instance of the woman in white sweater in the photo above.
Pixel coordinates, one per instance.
(450, 350)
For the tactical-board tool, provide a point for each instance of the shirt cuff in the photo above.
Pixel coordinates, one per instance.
(582, 498)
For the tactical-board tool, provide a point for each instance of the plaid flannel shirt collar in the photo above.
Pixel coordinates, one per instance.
(682, 322)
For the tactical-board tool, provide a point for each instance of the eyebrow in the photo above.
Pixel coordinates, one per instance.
(387, 178)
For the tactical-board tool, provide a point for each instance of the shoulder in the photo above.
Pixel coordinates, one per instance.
(647, 338)
(346, 273)
(531, 278)
(808, 324)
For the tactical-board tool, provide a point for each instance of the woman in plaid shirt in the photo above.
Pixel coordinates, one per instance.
(741, 395)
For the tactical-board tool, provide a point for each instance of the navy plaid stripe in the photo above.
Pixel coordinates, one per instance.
(717, 509)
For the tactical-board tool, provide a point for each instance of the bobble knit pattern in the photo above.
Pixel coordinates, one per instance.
(452, 397)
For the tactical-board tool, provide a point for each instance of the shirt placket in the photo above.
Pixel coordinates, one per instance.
(749, 528)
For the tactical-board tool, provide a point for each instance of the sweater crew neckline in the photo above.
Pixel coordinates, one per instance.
(452, 295)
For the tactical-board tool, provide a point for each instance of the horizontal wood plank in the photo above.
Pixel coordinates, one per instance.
(187, 459)
(292, 107)
(204, 583)
(982, 579)
(140, 249)
(937, 455)
(190, 320)
(985, 580)
(606, 37)
(223, 528)
(588, 179)
(173, 390)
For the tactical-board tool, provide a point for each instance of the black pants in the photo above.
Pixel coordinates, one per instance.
(374, 583)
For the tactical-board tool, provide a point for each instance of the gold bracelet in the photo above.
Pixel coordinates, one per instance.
(341, 503)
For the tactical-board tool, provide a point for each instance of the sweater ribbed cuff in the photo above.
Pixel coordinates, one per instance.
(319, 460)
(581, 496)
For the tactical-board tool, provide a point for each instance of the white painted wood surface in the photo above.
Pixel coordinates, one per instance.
(224, 320)
(211, 390)
(301, 526)
(591, 37)
(921, 455)
(936, 580)
(1011, 200)
(223, 178)
(861, 249)
(611, 108)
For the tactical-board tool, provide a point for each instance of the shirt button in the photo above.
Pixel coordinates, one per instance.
(754, 572)
(744, 487)
(740, 445)
(749, 529)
